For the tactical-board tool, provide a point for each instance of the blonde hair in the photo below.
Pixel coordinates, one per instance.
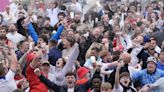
(106, 85)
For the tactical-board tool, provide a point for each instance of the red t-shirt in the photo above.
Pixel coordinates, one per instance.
(35, 84)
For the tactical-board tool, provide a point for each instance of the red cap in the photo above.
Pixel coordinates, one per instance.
(81, 72)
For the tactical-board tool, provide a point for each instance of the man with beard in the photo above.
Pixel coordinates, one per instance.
(77, 19)
(153, 49)
(47, 25)
(95, 36)
(105, 22)
(14, 36)
(150, 49)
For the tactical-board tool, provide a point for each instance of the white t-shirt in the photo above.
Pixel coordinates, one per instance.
(120, 89)
(52, 14)
(76, 7)
(134, 53)
(70, 90)
(15, 39)
(8, 83)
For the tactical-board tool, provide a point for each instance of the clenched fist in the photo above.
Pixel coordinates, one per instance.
(37, 72)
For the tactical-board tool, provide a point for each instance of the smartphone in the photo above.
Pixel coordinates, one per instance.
(72, 15)
(31, 46)
(93, 58)
(96, 20)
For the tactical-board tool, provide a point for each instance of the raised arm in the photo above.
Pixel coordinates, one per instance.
(46, 81)
(56, 36)
(13, 60)
(23, 60)
(32, 33)
(117, 79)
(88, 84)
(106, 66)
(71, 59)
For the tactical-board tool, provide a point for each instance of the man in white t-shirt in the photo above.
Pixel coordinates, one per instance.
(52, 13)
(14, 37)
(75, 6)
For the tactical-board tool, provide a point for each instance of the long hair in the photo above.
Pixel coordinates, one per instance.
(21, 30)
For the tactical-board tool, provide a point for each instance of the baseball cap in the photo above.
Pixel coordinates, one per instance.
(82, 71)
(152, 59)
(45, 62)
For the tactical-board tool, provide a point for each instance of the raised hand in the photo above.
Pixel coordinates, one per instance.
(37, 72)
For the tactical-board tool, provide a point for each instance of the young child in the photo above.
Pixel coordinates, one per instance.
(123, 82)
(106, 87)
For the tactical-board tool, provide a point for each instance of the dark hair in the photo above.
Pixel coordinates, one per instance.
(71, 40)
(44, 30)
(56, 3)
(64, 61)
(71, 74)
(4, 28)
(116, 55)
(106, 7)
(2, 70)
(111, 35)
(63, 7)
(53, 42)
(96, 49)
(61, 14)
(20, 12)
(45, 39)
(21, 29)
(39, 17)
(47, 18)
(96, 76)
(21, 42)
(2, 18)
(3, 37)
(153, 38)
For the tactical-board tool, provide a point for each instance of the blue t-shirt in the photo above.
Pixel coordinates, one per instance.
(160, 66)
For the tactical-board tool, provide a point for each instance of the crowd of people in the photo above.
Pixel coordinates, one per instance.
(83, 46)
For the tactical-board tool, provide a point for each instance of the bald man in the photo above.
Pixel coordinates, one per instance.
(126, 57)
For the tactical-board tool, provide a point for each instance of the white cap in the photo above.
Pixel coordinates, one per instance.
(152, 59)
